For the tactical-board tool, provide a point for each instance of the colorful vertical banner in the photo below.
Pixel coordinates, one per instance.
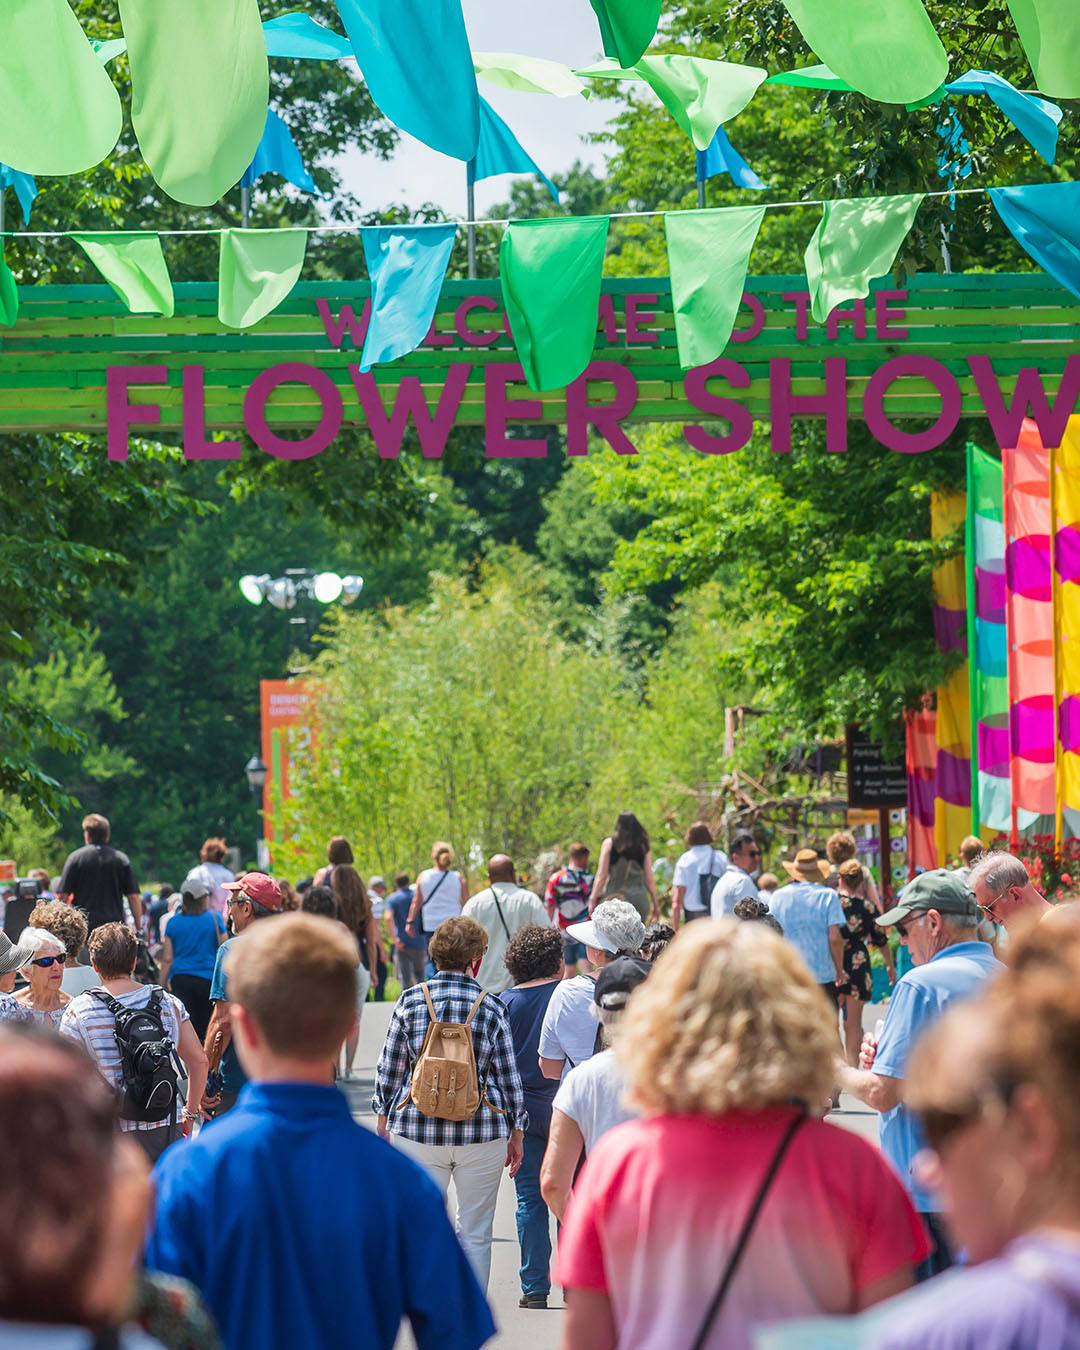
(921, 735)
(1066, 503)
(1029, 612)
(952, 787)
(987, 644)
(286, 735)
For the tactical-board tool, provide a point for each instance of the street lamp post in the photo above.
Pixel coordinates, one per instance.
(255, 772)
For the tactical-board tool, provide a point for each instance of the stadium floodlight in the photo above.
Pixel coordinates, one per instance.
(327, 587)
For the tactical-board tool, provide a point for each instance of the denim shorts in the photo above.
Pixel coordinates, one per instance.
(573, 952)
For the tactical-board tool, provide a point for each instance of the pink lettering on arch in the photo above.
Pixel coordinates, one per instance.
(468, 335)
(121, 414)
(346, 322)
(1029, 394)
(432, 429)
(695, 386)
(196, 446)
(331, 410)
(499, 408)
(911, 442)
(605, 417)
(785, 404)
(757, 323)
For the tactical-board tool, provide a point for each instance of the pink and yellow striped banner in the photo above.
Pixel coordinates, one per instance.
(1066, 502)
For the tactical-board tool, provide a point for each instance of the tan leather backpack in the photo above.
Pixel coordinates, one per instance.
(444, 1082)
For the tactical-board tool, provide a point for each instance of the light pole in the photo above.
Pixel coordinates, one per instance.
(255, 772)
(301, 588)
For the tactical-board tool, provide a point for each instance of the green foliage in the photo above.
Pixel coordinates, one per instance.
(826, 562)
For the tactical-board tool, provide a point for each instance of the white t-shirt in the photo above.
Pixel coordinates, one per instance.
(215, 875)
(700, 861)
(569, 1029)
(592, 1096)
(447, 901)
(87, 1020)
(733, 886)
(78, 979)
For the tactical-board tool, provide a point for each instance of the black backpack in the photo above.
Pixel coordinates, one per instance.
(149, 1078)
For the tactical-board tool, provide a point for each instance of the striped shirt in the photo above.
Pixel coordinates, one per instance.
(452, 994)
(89, 1021)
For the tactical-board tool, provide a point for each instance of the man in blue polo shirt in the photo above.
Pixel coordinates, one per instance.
(937, 917)
(300, 1227)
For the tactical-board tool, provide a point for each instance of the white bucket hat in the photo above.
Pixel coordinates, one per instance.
(615, 926)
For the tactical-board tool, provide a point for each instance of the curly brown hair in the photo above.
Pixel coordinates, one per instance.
(534, 953)
(63, 921)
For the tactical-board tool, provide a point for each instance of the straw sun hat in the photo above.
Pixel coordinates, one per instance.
(806, 867)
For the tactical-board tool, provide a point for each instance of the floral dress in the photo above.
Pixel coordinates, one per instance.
(861, 929)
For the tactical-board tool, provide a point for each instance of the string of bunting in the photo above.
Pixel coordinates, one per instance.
(551, 269)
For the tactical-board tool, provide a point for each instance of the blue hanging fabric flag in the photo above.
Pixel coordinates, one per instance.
(298, 35)
(415, 57)
(722, 157)
(1035, 118)
(407, 265)
(500, 151)
(1045, 222)
(24, 185)
(954, 151)
(277, 153)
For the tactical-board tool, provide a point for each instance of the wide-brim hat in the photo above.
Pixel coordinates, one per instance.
(13, 956)
(806, 867)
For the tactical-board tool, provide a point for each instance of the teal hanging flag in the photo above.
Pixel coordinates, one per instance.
(298, 36)
(551, 272)
(709, 255)
(278, 153)
(25, 189)
(415, 57)
(856, 241)
(500, 152)
(1045, 221)
(1035, 118)
(407, 266)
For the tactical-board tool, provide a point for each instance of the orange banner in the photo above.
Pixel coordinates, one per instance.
(286, 735)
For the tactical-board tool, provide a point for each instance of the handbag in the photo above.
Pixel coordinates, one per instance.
(744, 1237)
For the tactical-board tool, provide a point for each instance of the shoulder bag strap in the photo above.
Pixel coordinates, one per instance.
(502, 917)
(744, 1237)
(434, 888)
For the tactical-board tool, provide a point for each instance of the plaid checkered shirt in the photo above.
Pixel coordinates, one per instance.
(452, 994)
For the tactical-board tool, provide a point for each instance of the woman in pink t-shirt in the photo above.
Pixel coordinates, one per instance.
(720, 1046)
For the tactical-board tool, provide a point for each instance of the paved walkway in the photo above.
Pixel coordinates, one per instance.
(520, 1329)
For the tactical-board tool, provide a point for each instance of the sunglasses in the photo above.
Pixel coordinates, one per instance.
(46, 961)
(939, 1123)
(905, 926)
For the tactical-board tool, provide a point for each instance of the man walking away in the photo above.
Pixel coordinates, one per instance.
(567, 902)
(410, 949)
(737, 883)
(501, 910)
(696, 874)
(254, 896)
(97, 877)
(301, 1227)
(812, 918)
(937, 918)
(135, 1054)
(377, 895)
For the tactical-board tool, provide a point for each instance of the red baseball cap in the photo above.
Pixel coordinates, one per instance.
(259, 887)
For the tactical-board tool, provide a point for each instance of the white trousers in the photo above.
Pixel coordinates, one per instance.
(477, 1170)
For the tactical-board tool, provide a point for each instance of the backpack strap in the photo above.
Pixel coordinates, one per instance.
(472, 1010)
(103, 996)
(427, 1000)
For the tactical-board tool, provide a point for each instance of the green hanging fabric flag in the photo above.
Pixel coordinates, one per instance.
(109, 49)
(811, 77)
(134, 266)
(551, 272)
(701, 95)
(9, 294)
(61, 114)
(1050, 32)
(627, 27)
(200, 88)
(857, 240)
(258, 269)
(709, 255)
(526, 74)
(888, 51)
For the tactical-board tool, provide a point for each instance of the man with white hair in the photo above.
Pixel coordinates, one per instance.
(1005, 894)
(568, 1035)
(937, 918)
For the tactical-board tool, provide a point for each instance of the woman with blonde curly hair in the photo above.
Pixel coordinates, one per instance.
(727, 1205)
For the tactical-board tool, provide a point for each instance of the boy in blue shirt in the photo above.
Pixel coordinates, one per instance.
(300, 1227)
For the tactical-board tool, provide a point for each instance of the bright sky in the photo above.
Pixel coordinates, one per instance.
(549, 128)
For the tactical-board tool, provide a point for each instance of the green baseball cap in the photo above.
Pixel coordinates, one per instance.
(945, 891)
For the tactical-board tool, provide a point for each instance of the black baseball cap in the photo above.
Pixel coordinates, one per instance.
(617, 981)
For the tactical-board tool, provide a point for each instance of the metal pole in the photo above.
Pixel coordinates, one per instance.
(701, 194)
(470, 211)
(3, 194)
(245, 207)
(886, 853)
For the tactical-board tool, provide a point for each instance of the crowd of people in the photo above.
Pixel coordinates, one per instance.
(660, 1094)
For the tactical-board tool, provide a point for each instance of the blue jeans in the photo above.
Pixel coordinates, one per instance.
(533, 1220)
